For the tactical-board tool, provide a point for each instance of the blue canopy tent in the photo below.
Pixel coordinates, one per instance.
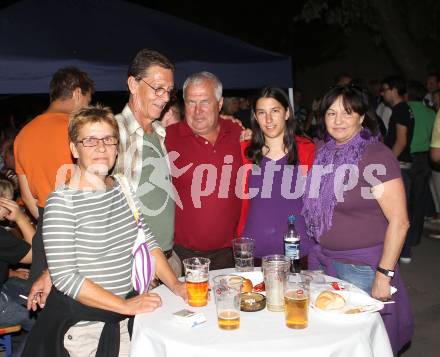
(101, 37)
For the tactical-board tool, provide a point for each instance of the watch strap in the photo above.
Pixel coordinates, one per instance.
(386, 272)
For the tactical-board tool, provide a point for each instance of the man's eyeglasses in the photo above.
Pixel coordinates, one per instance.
(161, 91)
(91, 141)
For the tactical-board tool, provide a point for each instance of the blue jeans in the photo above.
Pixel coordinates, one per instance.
(11, 311)
(360, 275)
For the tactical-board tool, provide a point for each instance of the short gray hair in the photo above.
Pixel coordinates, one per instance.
(204, 76)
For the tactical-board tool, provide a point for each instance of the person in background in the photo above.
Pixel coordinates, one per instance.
(8, 169)
(274, 143)
(41, 148)
(12, 252)
(172, 114)
(310, 127)
(432, 84)
(434, 182)
(89, 231)
(420, 167)
(300, 111)
(230, 106)
(373, 207)
(244, 113)
(399, 138)
(343, 79)
(436, 100)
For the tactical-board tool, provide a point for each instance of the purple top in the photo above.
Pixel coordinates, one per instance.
(268, 210)
(359, 222)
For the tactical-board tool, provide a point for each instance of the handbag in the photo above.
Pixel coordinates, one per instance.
(143, 268)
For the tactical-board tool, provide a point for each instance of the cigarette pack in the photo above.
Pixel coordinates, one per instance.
(189, 318)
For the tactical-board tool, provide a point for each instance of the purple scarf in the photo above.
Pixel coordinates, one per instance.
(318, 212)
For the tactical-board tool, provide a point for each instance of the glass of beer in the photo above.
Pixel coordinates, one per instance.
(227, 292)
(196, 278)
(296, 300)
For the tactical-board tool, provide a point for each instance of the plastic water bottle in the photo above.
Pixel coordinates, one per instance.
(291, 245)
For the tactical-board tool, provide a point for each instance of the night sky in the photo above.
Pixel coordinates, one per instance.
(348, 37)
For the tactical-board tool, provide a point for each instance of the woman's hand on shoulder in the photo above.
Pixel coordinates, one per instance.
(381, 289)
(146, 302)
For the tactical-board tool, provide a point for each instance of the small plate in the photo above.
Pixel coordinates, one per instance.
(356, 304)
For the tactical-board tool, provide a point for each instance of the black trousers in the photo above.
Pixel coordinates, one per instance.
(419, 194)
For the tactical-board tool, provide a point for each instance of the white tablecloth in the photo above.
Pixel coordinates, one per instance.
(261, 333)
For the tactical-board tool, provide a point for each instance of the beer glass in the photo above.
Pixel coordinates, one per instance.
(243, 253)
(227, 292)
(196, 278)
(296, 300)
(275, 269)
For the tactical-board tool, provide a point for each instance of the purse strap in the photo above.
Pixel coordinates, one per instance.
(125, 186)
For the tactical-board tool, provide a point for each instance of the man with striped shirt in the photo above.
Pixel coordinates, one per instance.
(142, 153)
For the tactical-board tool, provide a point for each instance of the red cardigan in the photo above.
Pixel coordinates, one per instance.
(306, 155)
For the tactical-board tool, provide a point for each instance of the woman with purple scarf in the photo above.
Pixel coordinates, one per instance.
(355, 207)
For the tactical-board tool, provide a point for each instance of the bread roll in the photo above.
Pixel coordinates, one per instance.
(329, 300)
(247, 286)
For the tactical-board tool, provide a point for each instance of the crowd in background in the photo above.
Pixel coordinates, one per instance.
(405, 113)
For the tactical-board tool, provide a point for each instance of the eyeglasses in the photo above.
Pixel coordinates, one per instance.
(160, 91)
(91, 141)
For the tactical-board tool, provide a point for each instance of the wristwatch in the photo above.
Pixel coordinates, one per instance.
(389, 273)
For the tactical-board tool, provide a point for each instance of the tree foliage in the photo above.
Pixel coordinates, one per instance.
(414, 24)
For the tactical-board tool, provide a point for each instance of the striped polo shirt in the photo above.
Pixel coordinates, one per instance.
(90, 234)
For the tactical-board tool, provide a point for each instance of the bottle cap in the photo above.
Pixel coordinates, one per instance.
(291, 219)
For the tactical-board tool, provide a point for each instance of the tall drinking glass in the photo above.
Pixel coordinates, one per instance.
(243, 248)
(196, 277)
(275, 270)
(297, 299)
(227, 292)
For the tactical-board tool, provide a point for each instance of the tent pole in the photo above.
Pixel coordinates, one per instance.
(291, 99)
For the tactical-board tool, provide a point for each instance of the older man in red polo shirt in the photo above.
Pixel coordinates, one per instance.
(205, 173)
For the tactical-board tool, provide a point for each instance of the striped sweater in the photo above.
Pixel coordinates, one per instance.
(90, 235)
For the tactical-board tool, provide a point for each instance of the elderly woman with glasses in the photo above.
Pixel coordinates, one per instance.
(355, 207)
(88, 232)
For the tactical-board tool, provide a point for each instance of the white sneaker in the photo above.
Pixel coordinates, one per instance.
(405, 260)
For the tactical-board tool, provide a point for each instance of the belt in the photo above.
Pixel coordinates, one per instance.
(168, 253)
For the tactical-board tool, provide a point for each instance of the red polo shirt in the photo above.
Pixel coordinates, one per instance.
(211, 209)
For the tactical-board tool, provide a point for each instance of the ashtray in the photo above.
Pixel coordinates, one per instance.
(251, 302)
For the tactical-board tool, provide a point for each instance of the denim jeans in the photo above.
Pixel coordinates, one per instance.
(360, 275)
(11, 311)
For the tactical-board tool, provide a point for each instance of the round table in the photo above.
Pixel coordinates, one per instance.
(261, 333)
